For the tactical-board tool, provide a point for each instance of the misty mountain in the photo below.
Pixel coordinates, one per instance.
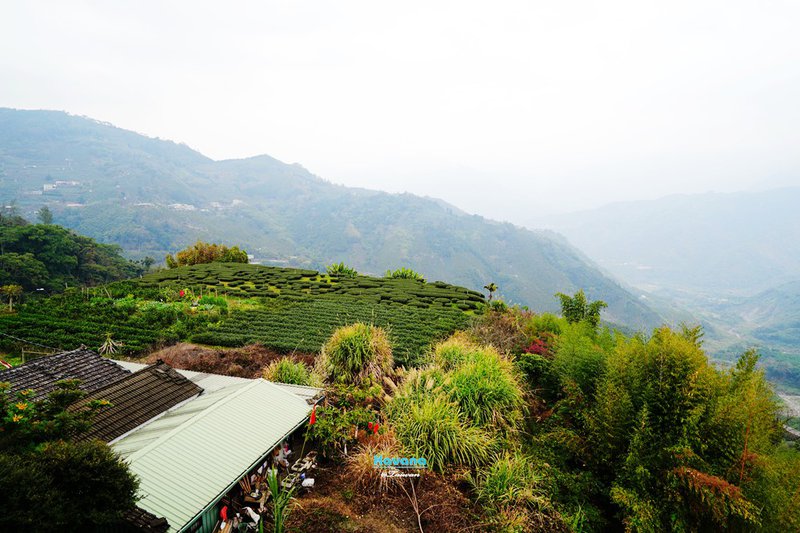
(725, 244)
(153, 196)
(730, 262)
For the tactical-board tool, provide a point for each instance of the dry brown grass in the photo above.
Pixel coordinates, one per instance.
(245, 362)
(360, 465)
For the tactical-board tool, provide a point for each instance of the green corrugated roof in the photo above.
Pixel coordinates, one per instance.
(190, 456)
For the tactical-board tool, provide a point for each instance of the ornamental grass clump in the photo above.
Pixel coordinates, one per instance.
(488, 391)
(287, 370)
(512, 493)
(361, 464)
(484, 383)
(433, 427)
(356, 353)
(454, 352)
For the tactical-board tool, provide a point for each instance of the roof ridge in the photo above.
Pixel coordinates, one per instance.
(274, 385)
(191, 420)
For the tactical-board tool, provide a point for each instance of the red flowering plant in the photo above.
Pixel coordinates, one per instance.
(540, 346)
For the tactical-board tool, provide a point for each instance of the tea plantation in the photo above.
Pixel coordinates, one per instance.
(232, 304)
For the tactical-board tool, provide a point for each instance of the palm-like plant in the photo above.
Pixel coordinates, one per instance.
(280, 501)
(491, 287)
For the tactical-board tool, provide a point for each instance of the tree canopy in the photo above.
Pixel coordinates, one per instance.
(48, 256)
(203, 252)
(48, 480)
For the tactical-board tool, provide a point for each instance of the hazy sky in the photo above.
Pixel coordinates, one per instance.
(508, 109)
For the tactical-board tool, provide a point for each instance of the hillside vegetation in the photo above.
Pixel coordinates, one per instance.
(152, 197)
(49, 257)
(541, 423)
(234, 304)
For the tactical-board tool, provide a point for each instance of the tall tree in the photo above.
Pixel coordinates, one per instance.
(11, 292)
(576, 308)
(44, 215)
(203, 252)
(491, 287)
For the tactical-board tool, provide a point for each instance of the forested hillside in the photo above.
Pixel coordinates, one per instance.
(153, 197)
(48, 257)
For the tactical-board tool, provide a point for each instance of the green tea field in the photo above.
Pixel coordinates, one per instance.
(231, 304)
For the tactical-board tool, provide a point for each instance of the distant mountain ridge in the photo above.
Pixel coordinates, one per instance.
(153, 196)
(723, 243)
(732, 260)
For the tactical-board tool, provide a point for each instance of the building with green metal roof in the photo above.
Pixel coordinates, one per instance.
(191, 456)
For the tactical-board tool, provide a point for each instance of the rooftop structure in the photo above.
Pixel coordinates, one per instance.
(42, 374)
(135, 399)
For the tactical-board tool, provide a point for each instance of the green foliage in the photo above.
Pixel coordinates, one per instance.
(286, 370)
(341, 270)
(44, 215)
(45, 478)
(280, 501)
(483, 383)
(433, 427)
(346, 409)
(202, 253)
(510, 490)
(356, 353)
(468, 393)
(579, 357)
(50, 257)
(405, 273)
(25, 423)
(12, 293)
(65, 486)
(577, 309)
(491, 288)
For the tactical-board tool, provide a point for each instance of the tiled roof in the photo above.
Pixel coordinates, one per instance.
(136, 399)
(142, 520)
(41, 374)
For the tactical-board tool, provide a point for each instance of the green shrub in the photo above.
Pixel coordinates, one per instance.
(513, 497)
(433, 428)
(488, 391)
(511, 480)
(341, 270)
(405, 273)
(286, 370)
(356, 352)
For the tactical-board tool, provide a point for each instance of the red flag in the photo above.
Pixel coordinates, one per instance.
(313, 419)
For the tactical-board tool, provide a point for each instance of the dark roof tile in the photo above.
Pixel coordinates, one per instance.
(41, 374)
(136, 399)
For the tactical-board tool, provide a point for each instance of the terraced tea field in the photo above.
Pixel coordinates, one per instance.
(228, 304)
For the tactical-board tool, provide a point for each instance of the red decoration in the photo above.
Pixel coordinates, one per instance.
(223, 513)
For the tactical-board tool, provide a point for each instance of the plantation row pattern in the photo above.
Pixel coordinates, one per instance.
(306, 325)
(284, 309)
(253, 281)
